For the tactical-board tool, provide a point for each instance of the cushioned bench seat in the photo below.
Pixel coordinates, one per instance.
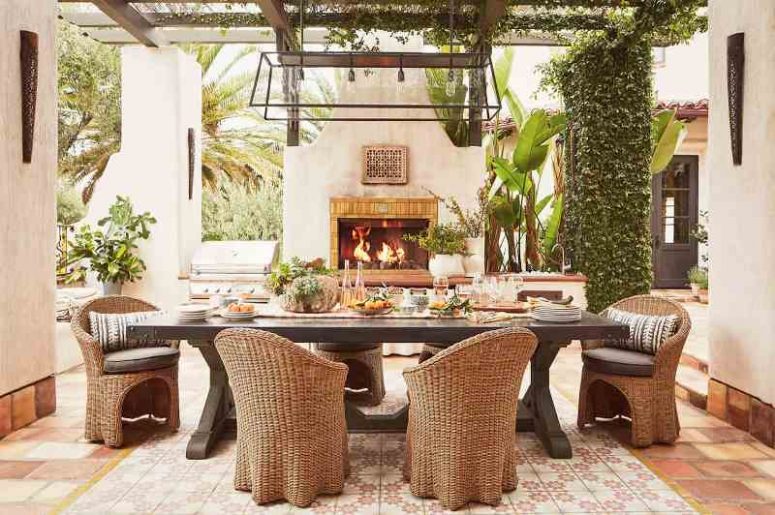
(140, 360)
(609, 360)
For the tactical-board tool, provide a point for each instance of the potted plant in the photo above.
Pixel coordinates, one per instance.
(305, 286)
(70, 211)
(447, 245)
(471, 222)
(698, 280)
(111, 248)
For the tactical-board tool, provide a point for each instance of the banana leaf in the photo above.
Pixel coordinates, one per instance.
(668, 134)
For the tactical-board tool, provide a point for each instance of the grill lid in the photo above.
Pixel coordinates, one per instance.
(234, 257)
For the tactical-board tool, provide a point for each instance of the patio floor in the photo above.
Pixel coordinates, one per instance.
(713, 467)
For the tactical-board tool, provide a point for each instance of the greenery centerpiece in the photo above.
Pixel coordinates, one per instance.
(305, 286)
(111, 247)
(472, 223)
(446, 243)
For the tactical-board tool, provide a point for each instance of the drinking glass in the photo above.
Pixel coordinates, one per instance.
(493, 290)
(440, 286)
(478, 289)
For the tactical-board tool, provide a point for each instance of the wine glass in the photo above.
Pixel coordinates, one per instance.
(440, 286)
(478, 288)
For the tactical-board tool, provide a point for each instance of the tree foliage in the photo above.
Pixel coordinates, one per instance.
(89, 106)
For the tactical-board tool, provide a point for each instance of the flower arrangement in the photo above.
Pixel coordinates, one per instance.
(441, 239)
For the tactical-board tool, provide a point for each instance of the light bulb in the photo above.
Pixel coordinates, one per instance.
(300, 76)
(401, 83)
(351, 75)
(451, 88)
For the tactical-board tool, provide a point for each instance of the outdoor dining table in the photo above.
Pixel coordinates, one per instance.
(536, 412)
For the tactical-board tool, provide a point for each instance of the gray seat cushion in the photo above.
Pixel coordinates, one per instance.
(608, 360)
(140, 360)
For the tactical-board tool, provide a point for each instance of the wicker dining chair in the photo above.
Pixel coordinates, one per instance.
(617, 382)
(291, 432)
(365, 379)
(144, 384)
(462, 418)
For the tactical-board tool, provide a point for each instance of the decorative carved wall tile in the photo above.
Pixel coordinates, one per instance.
(385, 164)
(735, 84)
(28, 57)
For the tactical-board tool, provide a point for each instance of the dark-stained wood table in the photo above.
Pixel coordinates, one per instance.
(536, 411)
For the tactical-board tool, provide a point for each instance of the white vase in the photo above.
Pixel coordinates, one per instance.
(473, 263)
(446, 264)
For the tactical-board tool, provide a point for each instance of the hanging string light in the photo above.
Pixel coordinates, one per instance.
(451, 86)
(300, 75)
(351, 74)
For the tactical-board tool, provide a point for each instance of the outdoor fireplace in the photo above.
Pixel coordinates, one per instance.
(379, 244)
(372, 231)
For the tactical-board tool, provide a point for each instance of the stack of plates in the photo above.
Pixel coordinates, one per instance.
(556, 313)
(232, 315)
(193, 312)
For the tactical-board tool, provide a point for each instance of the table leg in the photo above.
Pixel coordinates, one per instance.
(538, 399)
(215, 418)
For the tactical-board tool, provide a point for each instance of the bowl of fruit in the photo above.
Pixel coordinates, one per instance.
(375, 304)
(452, 307)
(239, 311)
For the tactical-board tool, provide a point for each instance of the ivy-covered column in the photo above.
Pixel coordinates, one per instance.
(607, 90)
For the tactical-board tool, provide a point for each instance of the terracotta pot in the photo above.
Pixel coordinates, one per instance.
(473, 263)
(446, 264)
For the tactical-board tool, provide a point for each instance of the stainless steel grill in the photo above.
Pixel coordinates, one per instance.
(232, 268)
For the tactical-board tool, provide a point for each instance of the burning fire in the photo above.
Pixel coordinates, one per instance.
(387, 253)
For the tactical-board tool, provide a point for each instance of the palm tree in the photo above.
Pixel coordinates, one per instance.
(235, 142)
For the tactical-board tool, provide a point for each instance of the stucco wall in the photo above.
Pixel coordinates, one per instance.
(27, 214)
(160, 100)
(331, 166)
(742, 205)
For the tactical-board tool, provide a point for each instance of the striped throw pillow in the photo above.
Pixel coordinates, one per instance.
(647, 332)
(110, 330)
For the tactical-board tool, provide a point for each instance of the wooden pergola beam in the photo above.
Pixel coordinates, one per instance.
(132, 21)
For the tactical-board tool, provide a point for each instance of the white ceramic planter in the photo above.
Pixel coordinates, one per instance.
(112, 288)
(473, 263)
(446, 264)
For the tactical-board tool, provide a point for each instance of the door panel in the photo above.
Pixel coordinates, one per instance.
(673, 216)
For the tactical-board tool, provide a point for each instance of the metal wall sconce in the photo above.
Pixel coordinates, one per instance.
(735, 91)
(191, 161)
(28, 57)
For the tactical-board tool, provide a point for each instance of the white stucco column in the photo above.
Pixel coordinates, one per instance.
(742, 205)
(161, 98)
(27, 213)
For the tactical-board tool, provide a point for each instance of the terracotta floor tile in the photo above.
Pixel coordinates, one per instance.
(718, 489)
(692, 435)
(24, 508)
(767, 467)
(764, 449)
(764, 487)
(677, 451)
(730, 451)
(725, 434)
(730, 469)
(676, 468)
(760, 508)
(16, 450)
(17, 469)
(726, 509)
(67, 469)
(19, 490)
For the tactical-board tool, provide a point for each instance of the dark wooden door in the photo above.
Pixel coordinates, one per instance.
(673, 217)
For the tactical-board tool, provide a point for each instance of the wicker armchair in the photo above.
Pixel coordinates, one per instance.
(639, 386)
(365, 380)
(462, 418)
(131, 394)
(291, 433)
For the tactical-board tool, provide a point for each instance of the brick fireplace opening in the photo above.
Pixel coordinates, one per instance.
(371, 230)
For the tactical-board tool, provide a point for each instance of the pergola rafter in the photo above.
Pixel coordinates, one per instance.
(146, 22)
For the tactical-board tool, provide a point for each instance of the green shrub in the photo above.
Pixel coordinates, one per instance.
(607, 90)
(240, 212)
(441, 239)
(70, 207)
(699, 276)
